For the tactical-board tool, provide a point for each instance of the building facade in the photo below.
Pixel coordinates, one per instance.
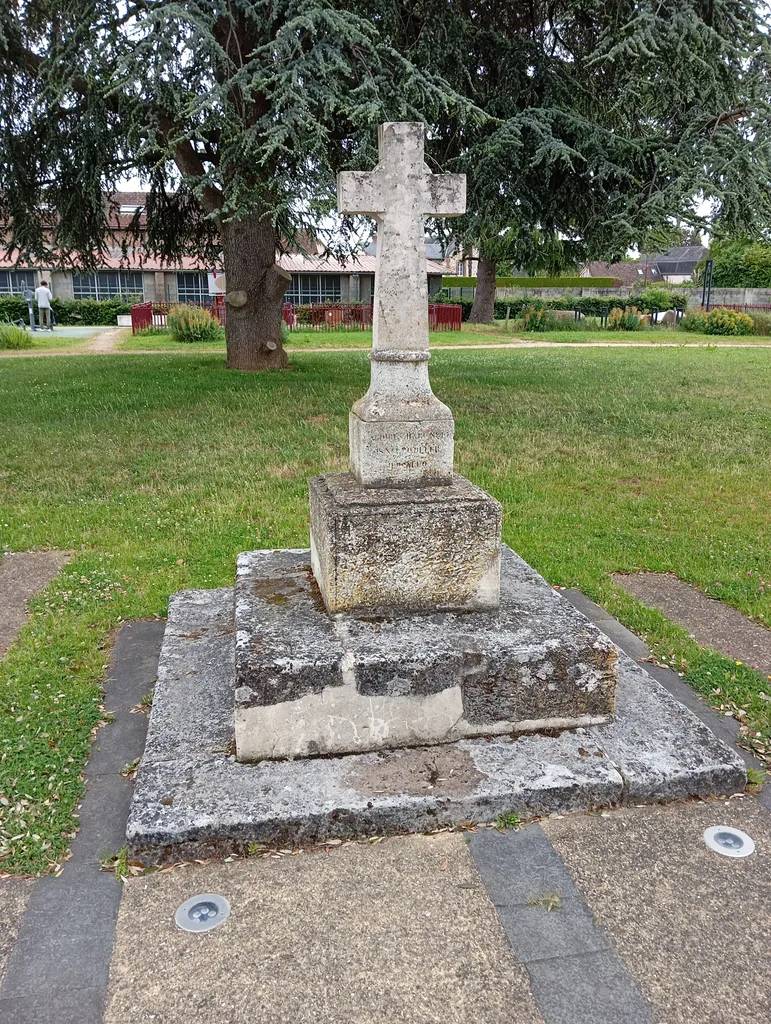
(132, 275)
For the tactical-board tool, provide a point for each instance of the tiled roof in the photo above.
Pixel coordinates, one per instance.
(294, 263)
(628, 273)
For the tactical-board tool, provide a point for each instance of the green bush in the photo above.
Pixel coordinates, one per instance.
(727, 321)
(14, 337)
(534, 282)
(741, 264)
(191, 323)
(626, 319)
(660, 298)
(695, 323)
(69, 312)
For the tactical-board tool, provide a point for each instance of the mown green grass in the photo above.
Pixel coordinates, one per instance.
(156, 471)
(482, 334)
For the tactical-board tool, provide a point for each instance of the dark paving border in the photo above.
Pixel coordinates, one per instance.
(59, 967)
(575, 976)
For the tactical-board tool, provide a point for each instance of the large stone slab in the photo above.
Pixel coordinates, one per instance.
(386, 551)
(308, 683)
(193, 799)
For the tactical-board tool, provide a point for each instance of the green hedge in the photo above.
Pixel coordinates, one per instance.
(534, 282)
(69, 312)
(588, 305)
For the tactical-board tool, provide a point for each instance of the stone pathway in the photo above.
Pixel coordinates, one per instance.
(712, 623)
(22, 575)
(651, 926)
(57, 970)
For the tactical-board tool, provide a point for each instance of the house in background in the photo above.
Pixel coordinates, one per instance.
(675, 266)
(316, 277)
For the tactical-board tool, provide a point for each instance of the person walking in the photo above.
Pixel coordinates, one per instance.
(43, 296)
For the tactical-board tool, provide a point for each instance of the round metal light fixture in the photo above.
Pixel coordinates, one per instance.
(730, 842)
(202, 913)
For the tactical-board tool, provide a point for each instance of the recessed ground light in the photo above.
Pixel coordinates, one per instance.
(202, 913)
(731, 842)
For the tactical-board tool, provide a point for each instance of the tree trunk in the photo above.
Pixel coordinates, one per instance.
(483, 310)
(254, 297)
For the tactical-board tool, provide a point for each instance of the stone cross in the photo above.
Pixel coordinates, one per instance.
(401, 435)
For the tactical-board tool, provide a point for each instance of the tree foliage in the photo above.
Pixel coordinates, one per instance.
(607, 123)
(741, 263)
(583, 125)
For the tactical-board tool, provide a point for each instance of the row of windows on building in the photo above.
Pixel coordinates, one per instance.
(191, 286)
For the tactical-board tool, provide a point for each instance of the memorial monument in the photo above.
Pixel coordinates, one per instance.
(408, 670)
(414, 643)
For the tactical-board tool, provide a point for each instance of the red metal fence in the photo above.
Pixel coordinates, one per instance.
(154, 314)
(444, 316)
(335, 316)
(742, 308)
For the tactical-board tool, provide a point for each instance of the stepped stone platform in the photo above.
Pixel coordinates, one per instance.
(311, 683)
(193, 799)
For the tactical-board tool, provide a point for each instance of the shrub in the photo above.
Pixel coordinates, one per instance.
(191, 323)
(626, 319)
(761, 323)
(70, 312)
(695, 323)
(534, 282)
(660, 298)
(727, 321)
(535, 319)
(14, 337)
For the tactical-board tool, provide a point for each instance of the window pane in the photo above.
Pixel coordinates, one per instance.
(14, 282)
(307, 288)
(192, 287)
(84, 286)
(107, 284)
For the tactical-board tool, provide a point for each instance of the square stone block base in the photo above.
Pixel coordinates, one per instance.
(193, 799)
(310, 683)
(404, 549)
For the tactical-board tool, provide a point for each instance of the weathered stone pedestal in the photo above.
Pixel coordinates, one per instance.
(194, 799)
(308, 683)
(381, 550)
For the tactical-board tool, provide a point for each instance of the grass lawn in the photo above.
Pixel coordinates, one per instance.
(158, 470)
(471, 334)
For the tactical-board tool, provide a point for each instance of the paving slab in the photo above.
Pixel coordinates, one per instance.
(691, 927)
(22, 575)
(712, 623)
(399, 931)
(14, 896)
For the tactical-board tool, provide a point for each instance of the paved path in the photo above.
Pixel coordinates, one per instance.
(106, 341)
(22, 575)
(515, 343)
(651, 926)
(712, 623)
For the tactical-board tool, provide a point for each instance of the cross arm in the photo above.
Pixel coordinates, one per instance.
(446, 195)
(360, 192)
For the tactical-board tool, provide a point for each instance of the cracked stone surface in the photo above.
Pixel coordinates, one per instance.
(192, 799)
(309, 683)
